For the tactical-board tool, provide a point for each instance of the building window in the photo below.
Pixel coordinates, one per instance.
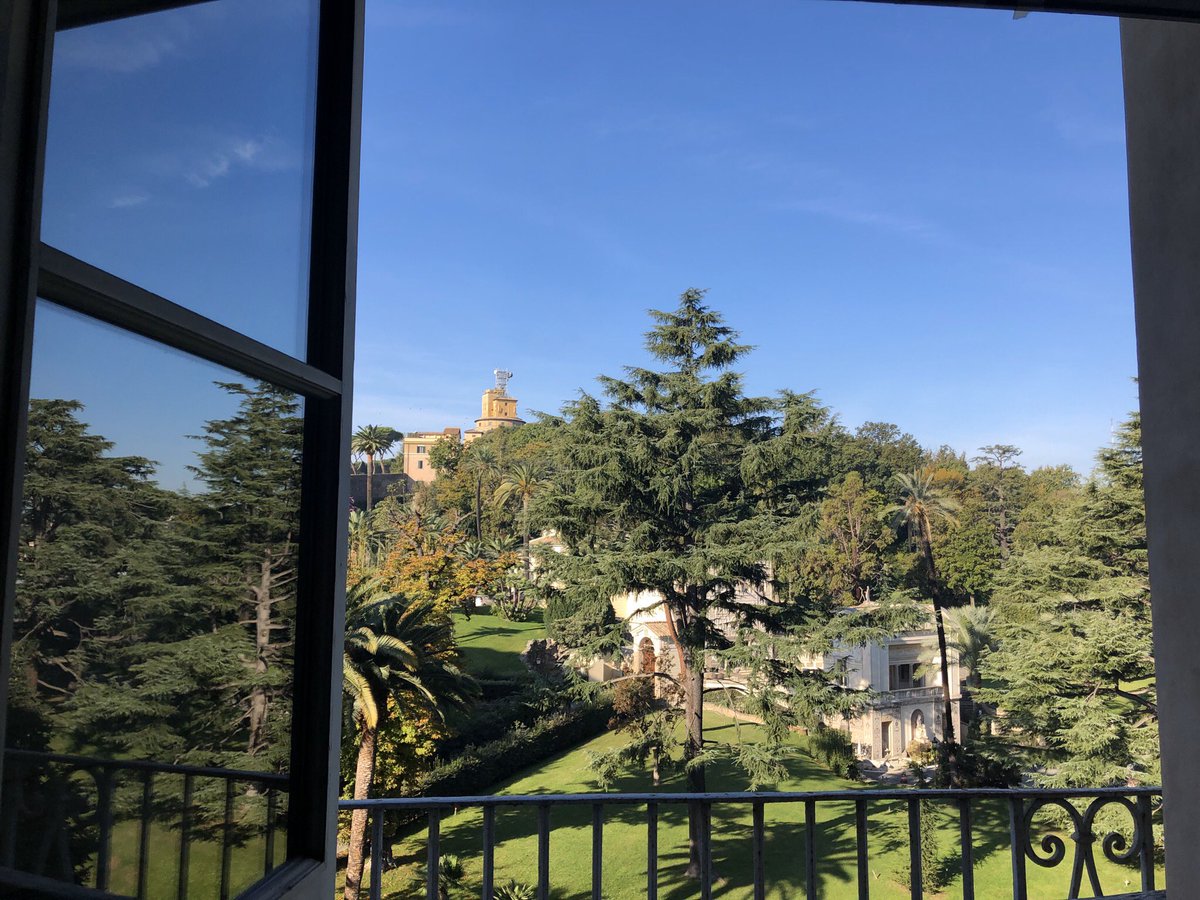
(420, 448)
(420, 463)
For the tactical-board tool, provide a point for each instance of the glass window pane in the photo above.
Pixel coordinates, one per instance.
(179, 157)
(154, 614)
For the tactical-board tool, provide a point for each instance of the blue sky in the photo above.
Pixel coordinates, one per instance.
(918, 213)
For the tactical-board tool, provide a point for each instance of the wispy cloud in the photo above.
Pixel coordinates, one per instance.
(118, 53)
(867, 216)
(206, 162)
(128, 200)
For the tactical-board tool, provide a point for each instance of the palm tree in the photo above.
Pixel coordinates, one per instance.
(523, 481)
(921, 503)
(399, 655)
(372, 441)
(361, 537)
(482, 461)
(969, 633)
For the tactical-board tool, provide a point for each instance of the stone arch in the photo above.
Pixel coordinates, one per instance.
(919, 732)
(647, 659)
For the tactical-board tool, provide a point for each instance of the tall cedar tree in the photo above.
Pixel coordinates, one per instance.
(91, 560)
(1074, 670)
(248, 529)
(684, 486)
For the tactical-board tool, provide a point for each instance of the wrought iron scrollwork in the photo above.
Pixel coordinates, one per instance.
(1115, 846)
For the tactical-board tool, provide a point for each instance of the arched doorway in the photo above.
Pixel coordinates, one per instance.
(646, 657)
(918, 725)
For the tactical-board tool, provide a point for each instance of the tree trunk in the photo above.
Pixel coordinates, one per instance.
(364, 773)
(257, 714)
(693, 716)
(943, 656)
(525, 516)
(479, 507)
(370, 478)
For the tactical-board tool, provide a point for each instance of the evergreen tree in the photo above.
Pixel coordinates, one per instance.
(94, 566)
(683, 486)
(247, 527)
(1074, 671)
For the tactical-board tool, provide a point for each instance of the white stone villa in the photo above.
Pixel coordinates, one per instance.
(905, 707)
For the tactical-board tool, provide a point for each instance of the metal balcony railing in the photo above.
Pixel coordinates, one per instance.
(1080, 807)
(44, 797)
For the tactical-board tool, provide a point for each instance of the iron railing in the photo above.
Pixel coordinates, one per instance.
(45, 813)
(1079, 807)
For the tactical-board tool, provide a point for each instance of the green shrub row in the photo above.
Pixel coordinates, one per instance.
(490, 718)
(833, 747)
(480, 766)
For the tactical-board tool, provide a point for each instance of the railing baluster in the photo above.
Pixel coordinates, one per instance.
(1016, 836)
(757, 838)
(104, 795)
(1146, 856)
(860, 843)
(543, 852)
(706, 865)
(651, 851)
(377, 856)
(810, 849)
(269, 849)
(915, 875)
(185, 838)
(597, 851)
(966, 839)
(143, 869)
(489, 852)
(227, 840)
(433, 854)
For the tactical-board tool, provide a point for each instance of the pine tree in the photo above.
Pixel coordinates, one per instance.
(1074, 671)
(247, 527)
(94, 557)
(684, 486)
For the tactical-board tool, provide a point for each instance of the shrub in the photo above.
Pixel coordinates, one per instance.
(495, 687)
(832, 746)
(480, 766)
(514, 890)
(977, 768)
(488, 720)
(920, 752)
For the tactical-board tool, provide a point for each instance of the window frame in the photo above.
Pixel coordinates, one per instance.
(323, 378)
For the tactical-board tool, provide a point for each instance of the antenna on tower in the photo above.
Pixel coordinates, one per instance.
(502, 376)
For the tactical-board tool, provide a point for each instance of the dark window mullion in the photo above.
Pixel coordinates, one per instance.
(72, 283)
(320, 613)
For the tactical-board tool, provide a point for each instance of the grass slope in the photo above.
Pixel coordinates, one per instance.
(492, 645)
(625, 839)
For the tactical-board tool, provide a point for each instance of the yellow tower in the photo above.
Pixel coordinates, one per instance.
(499, 409)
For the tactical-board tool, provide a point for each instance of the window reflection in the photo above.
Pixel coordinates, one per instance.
(154, 615)
(179, 157)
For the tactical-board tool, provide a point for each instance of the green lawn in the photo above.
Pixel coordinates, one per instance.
(624, 839)
(492, 645)
(204, 869)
